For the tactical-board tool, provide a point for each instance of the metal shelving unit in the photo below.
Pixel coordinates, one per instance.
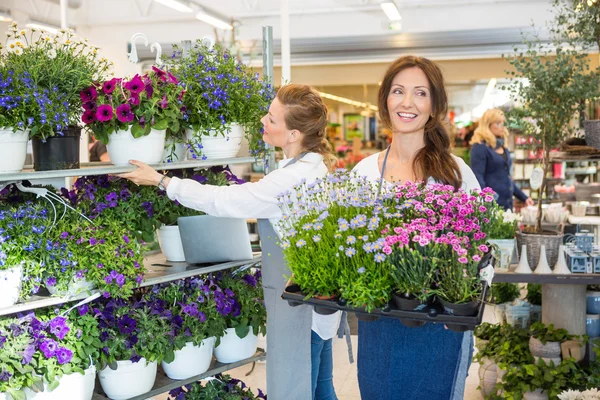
(158, 271)
(163, 384)
(555, 279)
(109, 169)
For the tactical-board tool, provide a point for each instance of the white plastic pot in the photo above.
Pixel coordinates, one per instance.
(504, 251)
(128, 380)
(169, 240)
(173, 152)
(122, 147)
(191, 360)
(233, 349)
(548, 350)
(76, 287)
(536, 395)
(13, 150)
(10, 285)
(216, 146)
(72, 386)
(488, 376)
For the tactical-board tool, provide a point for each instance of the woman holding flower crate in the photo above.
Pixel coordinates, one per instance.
(395, 361)
(296, 122)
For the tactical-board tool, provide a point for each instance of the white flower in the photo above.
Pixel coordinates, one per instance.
(13, 45)
(18, 51)
(52, 54)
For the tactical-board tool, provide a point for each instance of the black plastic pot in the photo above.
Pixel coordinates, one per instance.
(460, 310)
(408, 304)
(57, 152)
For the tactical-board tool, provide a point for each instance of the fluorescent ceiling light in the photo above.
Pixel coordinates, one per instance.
(348, 101)
(5, 16)
(43, 26)
(214, 21)
(176, 5)
(390, 9)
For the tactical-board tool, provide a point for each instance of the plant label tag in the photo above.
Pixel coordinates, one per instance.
(590, 268)
(487, 274)
(536, 178)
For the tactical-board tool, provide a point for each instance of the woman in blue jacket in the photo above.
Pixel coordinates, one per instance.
(491, 162)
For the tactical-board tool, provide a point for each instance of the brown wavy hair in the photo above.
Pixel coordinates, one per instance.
(434, 160)
(306, 112)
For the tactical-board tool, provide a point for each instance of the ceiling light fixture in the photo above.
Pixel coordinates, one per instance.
(348, 101)
(213, 20)
(176, 5)
(43, 27)
(5, 16)
(390, 9)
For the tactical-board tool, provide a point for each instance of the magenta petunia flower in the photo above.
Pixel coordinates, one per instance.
(135, 85)
(149, 89)
(124, 113)
(89, 105)
(89, 94)
(104, 113)
(172, 78)
(159, 72)
(88, 117)
(163, 103)
(109, 86)
(134, 100)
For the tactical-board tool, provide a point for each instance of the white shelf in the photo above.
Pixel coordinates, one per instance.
(106, 168)
(158, 271)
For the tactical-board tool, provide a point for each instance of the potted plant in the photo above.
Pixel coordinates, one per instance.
(545, 341)
(135, 338)
(541, 380)
(503, 294)
(487, 340)
(559, 81)
(14, 133)
(578, 20)
(534, 298)
(511, 349)
(64, 358)
(501, 235)
(22, 228)
(195, 321)
(239, 299)
(57, 67)
(224, 102)
(81, 256)
(132, 116)
(165, 211)
(222, 387)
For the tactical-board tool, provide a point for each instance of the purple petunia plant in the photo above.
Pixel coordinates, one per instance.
(192, 309)
(130, 330)
(38, 348)
(344, 236)
(222, 387)
(82, 256)
(140, 104)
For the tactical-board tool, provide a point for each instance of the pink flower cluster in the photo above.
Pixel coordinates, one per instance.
(439, 216)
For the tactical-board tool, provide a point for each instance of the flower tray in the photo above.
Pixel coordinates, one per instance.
(433, 311)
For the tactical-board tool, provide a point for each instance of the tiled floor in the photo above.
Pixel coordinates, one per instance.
(344, 374)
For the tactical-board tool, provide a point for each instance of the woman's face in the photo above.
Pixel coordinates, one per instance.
(275, 131)
(409, 101)
(497, 127)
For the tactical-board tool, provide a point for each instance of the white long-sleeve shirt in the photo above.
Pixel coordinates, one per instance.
(256, 200)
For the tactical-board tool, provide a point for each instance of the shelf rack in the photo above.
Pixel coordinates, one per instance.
(109, 169)
(159, 270)
(163, 384)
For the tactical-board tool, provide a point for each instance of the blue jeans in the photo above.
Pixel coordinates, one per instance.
(425, 363)
(321, 354)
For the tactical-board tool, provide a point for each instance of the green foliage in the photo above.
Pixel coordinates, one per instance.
(503, 224)
(547, 333)
(415, 270)
(552, 379)
(223, 387)
(221, 91)
(534, 294)
(487, 331)
(505, 292)
(578, 20)
(59, 67)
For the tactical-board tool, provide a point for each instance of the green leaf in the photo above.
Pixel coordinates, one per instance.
(53, 385)
(113, 365)
(161, 124)
(88, 340)
(242, 331)
(169, 356)
(17, 394)
(137, 131)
